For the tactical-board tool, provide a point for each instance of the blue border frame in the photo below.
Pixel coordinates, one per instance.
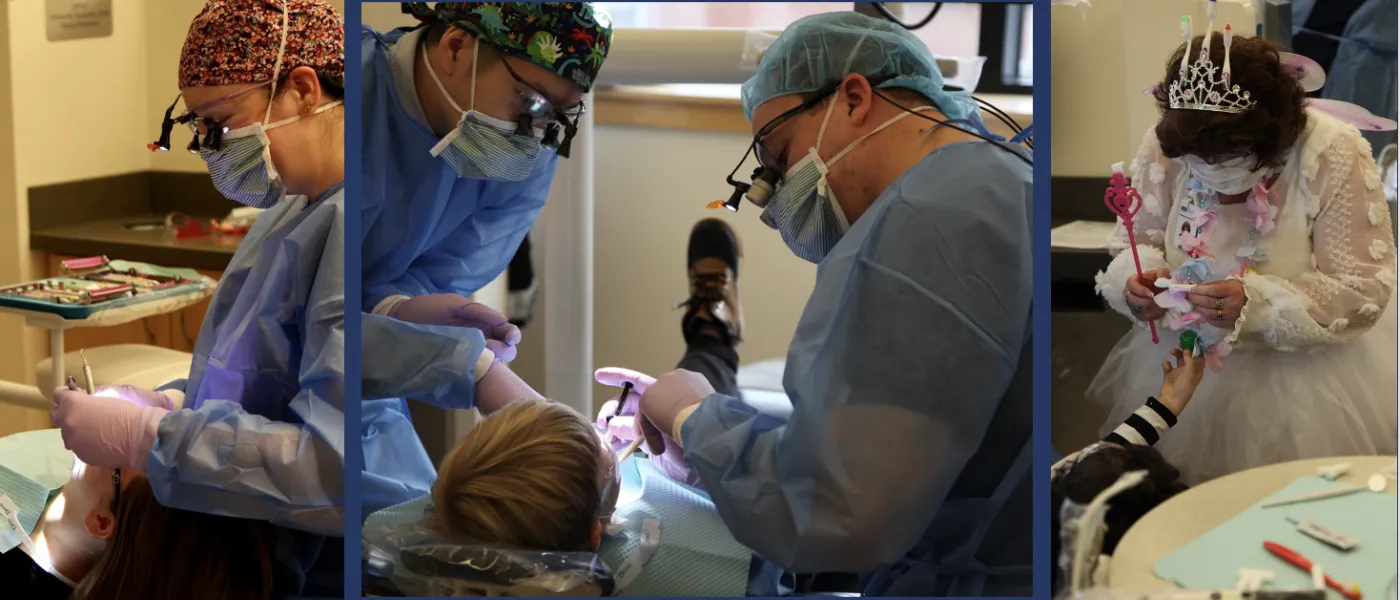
(354, 455)
(1040, 480)
(354, 458)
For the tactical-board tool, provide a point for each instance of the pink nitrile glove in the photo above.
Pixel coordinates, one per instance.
(136, 395)
(626, 427)
(456, 311)
(106, 431)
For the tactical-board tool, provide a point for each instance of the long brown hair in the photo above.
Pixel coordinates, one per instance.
(156, 552)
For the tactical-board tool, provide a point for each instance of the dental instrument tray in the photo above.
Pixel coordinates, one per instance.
(91, 285)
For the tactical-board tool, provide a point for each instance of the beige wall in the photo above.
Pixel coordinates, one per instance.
(652, 185)
(1101, 60)
(80, 109)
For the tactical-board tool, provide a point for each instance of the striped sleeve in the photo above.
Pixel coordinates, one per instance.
(1145, 426)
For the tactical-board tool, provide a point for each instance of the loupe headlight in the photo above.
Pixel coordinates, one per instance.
(763, 183)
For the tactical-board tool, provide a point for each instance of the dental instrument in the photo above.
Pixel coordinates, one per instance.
(1322, 534)
(1314, 496)
(1351, 592)
(632, 447)
(87, 374)
(621, 400)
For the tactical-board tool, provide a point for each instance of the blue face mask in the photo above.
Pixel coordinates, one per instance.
(482, 146)
(804, 208)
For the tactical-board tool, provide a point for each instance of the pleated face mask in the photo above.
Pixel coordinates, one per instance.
(242, 167)
(482, 146)
(804, 208)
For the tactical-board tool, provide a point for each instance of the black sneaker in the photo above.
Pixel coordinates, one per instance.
(712, 262)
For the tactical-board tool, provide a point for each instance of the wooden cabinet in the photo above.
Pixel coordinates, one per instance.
(177, 331)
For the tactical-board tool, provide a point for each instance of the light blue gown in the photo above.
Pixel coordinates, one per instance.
(425, 231)
(907, 455)
(262, 433)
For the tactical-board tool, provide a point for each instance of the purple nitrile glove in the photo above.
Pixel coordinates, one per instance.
(626, 427)
(136, 395)
(456, 311)
(106, 431)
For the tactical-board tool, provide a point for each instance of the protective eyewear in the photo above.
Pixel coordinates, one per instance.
(536, 108)
(766, 176)
(200, 127)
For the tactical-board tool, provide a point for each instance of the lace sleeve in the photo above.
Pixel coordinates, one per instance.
(1152, 175)
(1354, 253)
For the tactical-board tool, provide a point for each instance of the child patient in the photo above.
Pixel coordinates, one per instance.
(533, 475)
(1082, 475)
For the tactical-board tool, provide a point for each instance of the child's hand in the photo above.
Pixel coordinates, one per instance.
(1179, 382)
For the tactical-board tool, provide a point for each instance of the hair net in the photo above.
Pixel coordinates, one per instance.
(822, 49)
(237, 41)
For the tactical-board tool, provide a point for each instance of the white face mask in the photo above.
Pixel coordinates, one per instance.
(1229, 177)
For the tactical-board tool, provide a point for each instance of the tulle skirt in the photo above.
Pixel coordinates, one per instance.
(1265, 406)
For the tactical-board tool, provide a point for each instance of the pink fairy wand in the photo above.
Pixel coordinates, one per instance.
(1125, 201)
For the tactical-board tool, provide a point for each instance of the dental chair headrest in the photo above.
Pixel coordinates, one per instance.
(415, 561)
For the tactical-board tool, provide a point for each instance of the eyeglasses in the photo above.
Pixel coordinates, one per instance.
(536, 107)
(212, 130)
(116, 487)
(765, 178)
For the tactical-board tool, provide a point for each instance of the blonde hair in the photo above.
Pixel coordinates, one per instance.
(526, 477)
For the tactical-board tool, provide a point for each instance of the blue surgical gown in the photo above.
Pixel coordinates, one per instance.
(907, 454)
(426, 231)
(262, 433)
(1363, 71)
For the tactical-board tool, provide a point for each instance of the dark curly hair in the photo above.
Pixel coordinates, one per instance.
(1100, 469)
(1266, 132)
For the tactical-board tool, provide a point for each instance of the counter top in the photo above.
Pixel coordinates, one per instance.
(114, 238)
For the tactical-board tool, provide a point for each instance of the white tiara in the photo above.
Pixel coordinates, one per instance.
(1197, 87)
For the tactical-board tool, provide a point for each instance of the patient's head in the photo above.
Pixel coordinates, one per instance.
(1100, 468)
(534, 475)
(153, 551)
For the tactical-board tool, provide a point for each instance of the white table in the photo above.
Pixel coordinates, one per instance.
(1197, 511)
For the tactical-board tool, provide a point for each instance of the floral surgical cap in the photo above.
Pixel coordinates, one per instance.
(237, 41)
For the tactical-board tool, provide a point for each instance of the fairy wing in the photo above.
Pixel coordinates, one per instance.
(1305, 70)
(1351, 113)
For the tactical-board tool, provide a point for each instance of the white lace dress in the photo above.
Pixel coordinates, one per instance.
(1312, 373)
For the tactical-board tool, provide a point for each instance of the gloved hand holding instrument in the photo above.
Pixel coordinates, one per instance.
(112, 427)
(662, 404)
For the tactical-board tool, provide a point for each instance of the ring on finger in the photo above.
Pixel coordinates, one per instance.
(1219, 316)
(1219, 303)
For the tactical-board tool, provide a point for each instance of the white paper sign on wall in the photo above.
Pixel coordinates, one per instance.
(78, 19)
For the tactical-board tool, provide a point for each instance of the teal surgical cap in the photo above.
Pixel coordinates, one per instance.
(822, 49)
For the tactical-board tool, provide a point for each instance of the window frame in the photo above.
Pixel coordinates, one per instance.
(1000, 41)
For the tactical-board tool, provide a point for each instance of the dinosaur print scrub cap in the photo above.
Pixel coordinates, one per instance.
(571, 39)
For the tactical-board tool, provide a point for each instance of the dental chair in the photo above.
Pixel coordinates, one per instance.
(143, 366)
(140, 365)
